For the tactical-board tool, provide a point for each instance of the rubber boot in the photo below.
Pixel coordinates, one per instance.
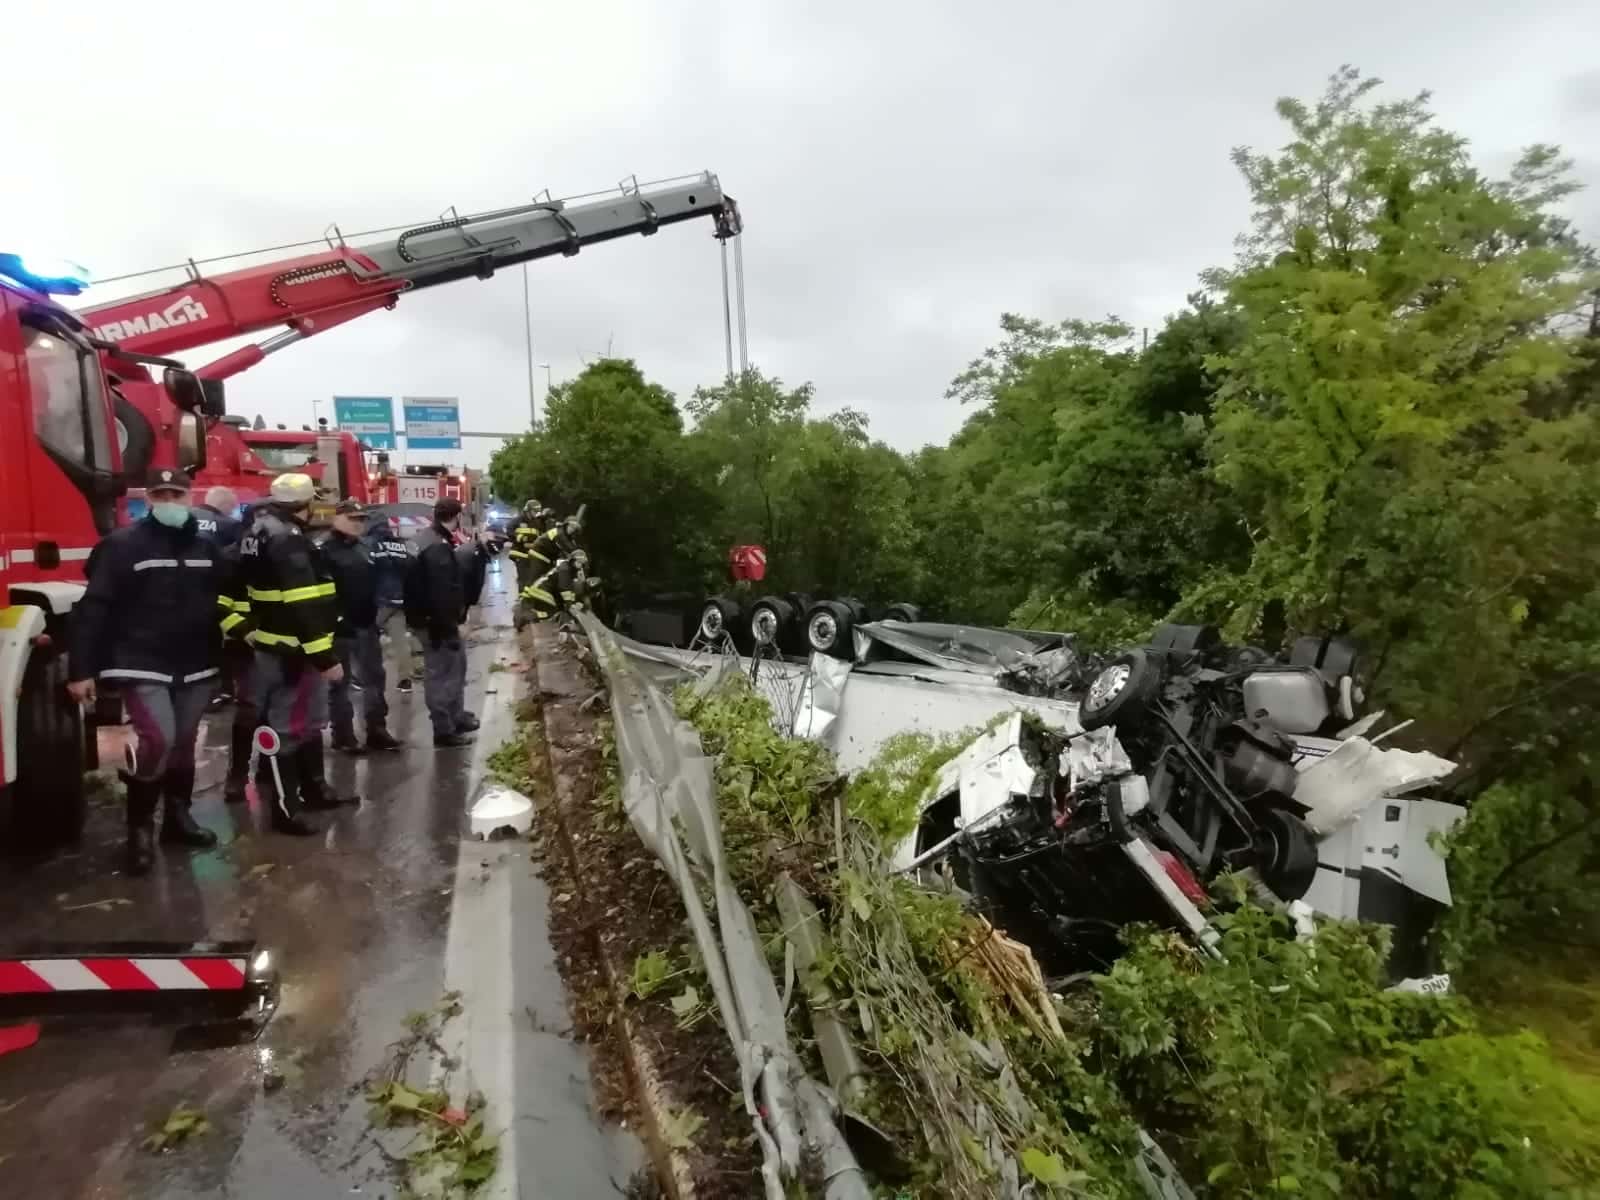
(467, 723)
(143, 796)
(239, 746)
(379, 738)
(316, 793)
(344, 738)
(178, 826)
(286, 816)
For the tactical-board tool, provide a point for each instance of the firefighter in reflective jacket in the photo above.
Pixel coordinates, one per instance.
(563, 588)
(558, 541)
(522, 556)
(294, 610)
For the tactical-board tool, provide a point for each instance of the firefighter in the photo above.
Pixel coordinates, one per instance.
(148, 620)
(444, 581)
(566, 587)
(529, 565)
(356, 640)
(558, 540)
(390, 555)
(294, 610)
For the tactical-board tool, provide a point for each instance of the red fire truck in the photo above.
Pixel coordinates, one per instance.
(69, 443)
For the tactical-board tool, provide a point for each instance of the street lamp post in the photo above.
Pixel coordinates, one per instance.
(527, 329)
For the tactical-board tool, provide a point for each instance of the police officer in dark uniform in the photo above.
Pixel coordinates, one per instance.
(294, 610)
(390, 556)
(215, 517)
(149, 621)
(444, 581)
(356, 639)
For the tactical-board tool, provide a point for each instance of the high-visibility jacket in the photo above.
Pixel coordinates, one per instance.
(290, 590)
(551, 546)
(559, 587)
(522, 539)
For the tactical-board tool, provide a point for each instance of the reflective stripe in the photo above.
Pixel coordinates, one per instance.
(197, 562)
(231, 622)
(314, 592)
(569, 595)
(319, 645)
(147, 563)
(517, 554)
(131, 673)
(540, 557)
(270, 595)
(537, 593)
(199, 675)
(264, 638)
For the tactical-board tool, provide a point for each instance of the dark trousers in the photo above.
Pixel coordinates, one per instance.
(292, 697)
(444, 681)
(360, 652)
(166, 720)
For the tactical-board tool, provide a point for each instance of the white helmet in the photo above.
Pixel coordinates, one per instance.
(293, 489)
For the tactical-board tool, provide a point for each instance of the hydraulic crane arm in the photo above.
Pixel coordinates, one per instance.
(313, 292)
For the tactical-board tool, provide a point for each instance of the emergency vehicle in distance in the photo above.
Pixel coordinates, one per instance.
(69, 441)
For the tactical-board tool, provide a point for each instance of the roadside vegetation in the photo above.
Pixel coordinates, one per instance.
(1382, 419)
(1286, 1068)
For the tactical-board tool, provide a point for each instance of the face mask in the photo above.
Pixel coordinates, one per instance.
(171, 513)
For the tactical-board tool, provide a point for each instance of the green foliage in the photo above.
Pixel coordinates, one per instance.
(1285, 1066)
(887, 794)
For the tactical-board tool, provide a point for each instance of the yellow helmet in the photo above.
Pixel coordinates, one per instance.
(294, 489)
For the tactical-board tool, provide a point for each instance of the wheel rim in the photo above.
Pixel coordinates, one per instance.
(823, 631)
(1107, 686)
(711, 622)
(764, 626)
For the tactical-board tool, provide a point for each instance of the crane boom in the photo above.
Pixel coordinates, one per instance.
(308, 293)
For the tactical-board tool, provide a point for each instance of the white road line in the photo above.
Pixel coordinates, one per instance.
(478, 947)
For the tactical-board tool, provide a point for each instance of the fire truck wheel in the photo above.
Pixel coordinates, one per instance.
(48, 802)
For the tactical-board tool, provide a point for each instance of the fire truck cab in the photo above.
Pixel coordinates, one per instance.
(63, 434)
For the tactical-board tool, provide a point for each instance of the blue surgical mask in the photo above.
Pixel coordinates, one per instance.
(172, 513)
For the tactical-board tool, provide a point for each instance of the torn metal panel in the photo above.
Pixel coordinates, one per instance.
(1355, 775)
(957, 647)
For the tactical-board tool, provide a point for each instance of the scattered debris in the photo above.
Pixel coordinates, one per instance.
(182, 1123)
(501, 808)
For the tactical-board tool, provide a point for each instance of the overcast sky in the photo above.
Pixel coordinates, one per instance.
(907, 171)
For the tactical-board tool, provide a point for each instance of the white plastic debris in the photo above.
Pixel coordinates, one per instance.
(501, 808)
(1356, 775)
(1093, 756)
(1427, 985)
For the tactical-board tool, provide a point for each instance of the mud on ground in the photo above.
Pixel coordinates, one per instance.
(609, 893)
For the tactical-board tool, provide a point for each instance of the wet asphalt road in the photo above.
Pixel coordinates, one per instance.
(372, 921)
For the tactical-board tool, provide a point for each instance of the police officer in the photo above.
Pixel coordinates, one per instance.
(356, 639)
(149, 621)
(215, 517)
(444, 581)
(294, 610)
(390, 555)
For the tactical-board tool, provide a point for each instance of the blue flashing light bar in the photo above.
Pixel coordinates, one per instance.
(53, 276)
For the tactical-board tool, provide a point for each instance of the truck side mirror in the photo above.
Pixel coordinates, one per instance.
(184, 388)
(214, 404)
(191, 442)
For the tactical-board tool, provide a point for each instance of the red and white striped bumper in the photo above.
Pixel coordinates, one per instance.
(170, 973)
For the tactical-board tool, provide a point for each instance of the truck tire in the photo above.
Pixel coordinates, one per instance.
(830, 628)
(909, 613)
(1123, 689)
(48, 801)
(772, 622)
(718, 615)
(1288, 854)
